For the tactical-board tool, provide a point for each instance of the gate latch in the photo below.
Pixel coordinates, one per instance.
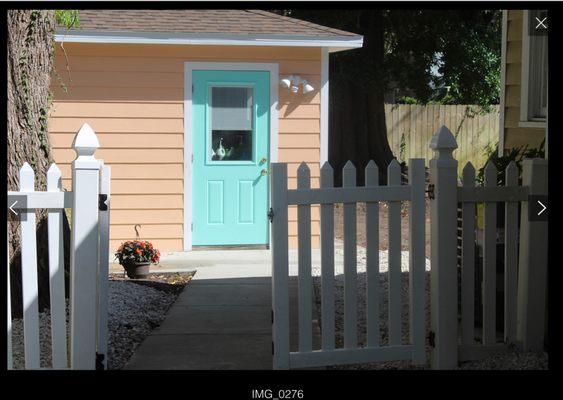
(271, 214)
(430, 191)
(102, 198)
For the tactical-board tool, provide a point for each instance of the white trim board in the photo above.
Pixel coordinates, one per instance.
(525, 69)
(502, 81)
(333, 43)
(324, 104)
(189, 66)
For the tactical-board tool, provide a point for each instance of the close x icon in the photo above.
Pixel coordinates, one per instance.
(538, 23)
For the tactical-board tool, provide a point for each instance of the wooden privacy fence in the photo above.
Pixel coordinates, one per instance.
(525, 262)
(89, 257)
(410, 127)
(327, 195)
(524, 258)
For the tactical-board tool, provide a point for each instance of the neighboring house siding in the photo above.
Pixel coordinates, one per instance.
(514, 135)
(132, 96)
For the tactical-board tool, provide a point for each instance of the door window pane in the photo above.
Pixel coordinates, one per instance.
(231, 116)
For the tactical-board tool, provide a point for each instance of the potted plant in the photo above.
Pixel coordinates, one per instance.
(136, 256)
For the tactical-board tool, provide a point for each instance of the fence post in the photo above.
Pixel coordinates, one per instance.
(443, 217)
(29, 276)
(84, 249)
(532, 268)
(103, 268)
(9, 300)
(280, 266)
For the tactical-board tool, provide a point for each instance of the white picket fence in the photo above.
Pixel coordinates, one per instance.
(86, 348)
(394, 193)
(525, 258)
(524, 276)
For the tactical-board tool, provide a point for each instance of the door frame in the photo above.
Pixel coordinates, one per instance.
(189, 67)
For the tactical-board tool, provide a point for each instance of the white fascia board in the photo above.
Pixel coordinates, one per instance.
(335, 43)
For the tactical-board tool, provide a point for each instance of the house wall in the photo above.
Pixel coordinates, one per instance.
(514, 134)
(132, 96)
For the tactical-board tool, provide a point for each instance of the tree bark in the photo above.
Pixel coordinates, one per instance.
(30, 63)
(358, 131)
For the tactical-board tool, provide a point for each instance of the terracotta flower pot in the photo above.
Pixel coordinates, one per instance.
(138, 270)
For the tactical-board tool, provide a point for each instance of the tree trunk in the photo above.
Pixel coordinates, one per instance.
(30, 63)
(358, 131)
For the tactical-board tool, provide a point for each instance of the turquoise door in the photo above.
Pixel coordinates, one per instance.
(230, 134)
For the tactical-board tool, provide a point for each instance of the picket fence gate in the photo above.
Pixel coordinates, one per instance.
(86, 347)
(449, 341)
(394, 193)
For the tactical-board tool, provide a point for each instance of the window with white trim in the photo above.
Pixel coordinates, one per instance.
(534, 67)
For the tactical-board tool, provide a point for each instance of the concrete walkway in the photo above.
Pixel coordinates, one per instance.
(222, 320)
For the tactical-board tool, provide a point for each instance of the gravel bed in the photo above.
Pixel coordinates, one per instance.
(509, 360)
(134, 310)
(44, 340)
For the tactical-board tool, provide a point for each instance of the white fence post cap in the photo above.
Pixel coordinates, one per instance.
(443, 139)
(54, 178)
(27, 178)
(85, 142)
(26, 168)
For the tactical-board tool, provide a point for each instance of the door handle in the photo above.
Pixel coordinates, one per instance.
(264, 172)
(263, 160)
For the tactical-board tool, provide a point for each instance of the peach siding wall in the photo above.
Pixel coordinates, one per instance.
(132, 96)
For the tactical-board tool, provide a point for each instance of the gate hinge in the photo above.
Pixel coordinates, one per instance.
(431, 339)
(430, 191)
(271, 214)
(100, 361)
(102, 198)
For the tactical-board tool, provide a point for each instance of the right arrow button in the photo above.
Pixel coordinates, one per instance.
(538, 208)
(543, 208)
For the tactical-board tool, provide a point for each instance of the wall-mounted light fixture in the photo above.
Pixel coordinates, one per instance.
(307, 88)
(292, 83)
(285, 82)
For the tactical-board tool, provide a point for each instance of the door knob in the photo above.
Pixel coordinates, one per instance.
(263, 160)
(264, 172)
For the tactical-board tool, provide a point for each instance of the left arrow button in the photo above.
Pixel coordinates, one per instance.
(11, 207)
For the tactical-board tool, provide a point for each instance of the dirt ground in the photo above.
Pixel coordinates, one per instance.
(169, 282)
(383, 226)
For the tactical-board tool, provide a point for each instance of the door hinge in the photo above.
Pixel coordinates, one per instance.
(430, 191)
(431, 339)
(272, 314)
(192, 226)
(102, 198)
(272, 348)
(192, 88)
(100, 361)
(271, 214)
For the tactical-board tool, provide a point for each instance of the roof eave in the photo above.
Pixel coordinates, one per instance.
(333, 42)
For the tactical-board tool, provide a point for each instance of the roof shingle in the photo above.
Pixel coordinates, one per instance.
(250, 22)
